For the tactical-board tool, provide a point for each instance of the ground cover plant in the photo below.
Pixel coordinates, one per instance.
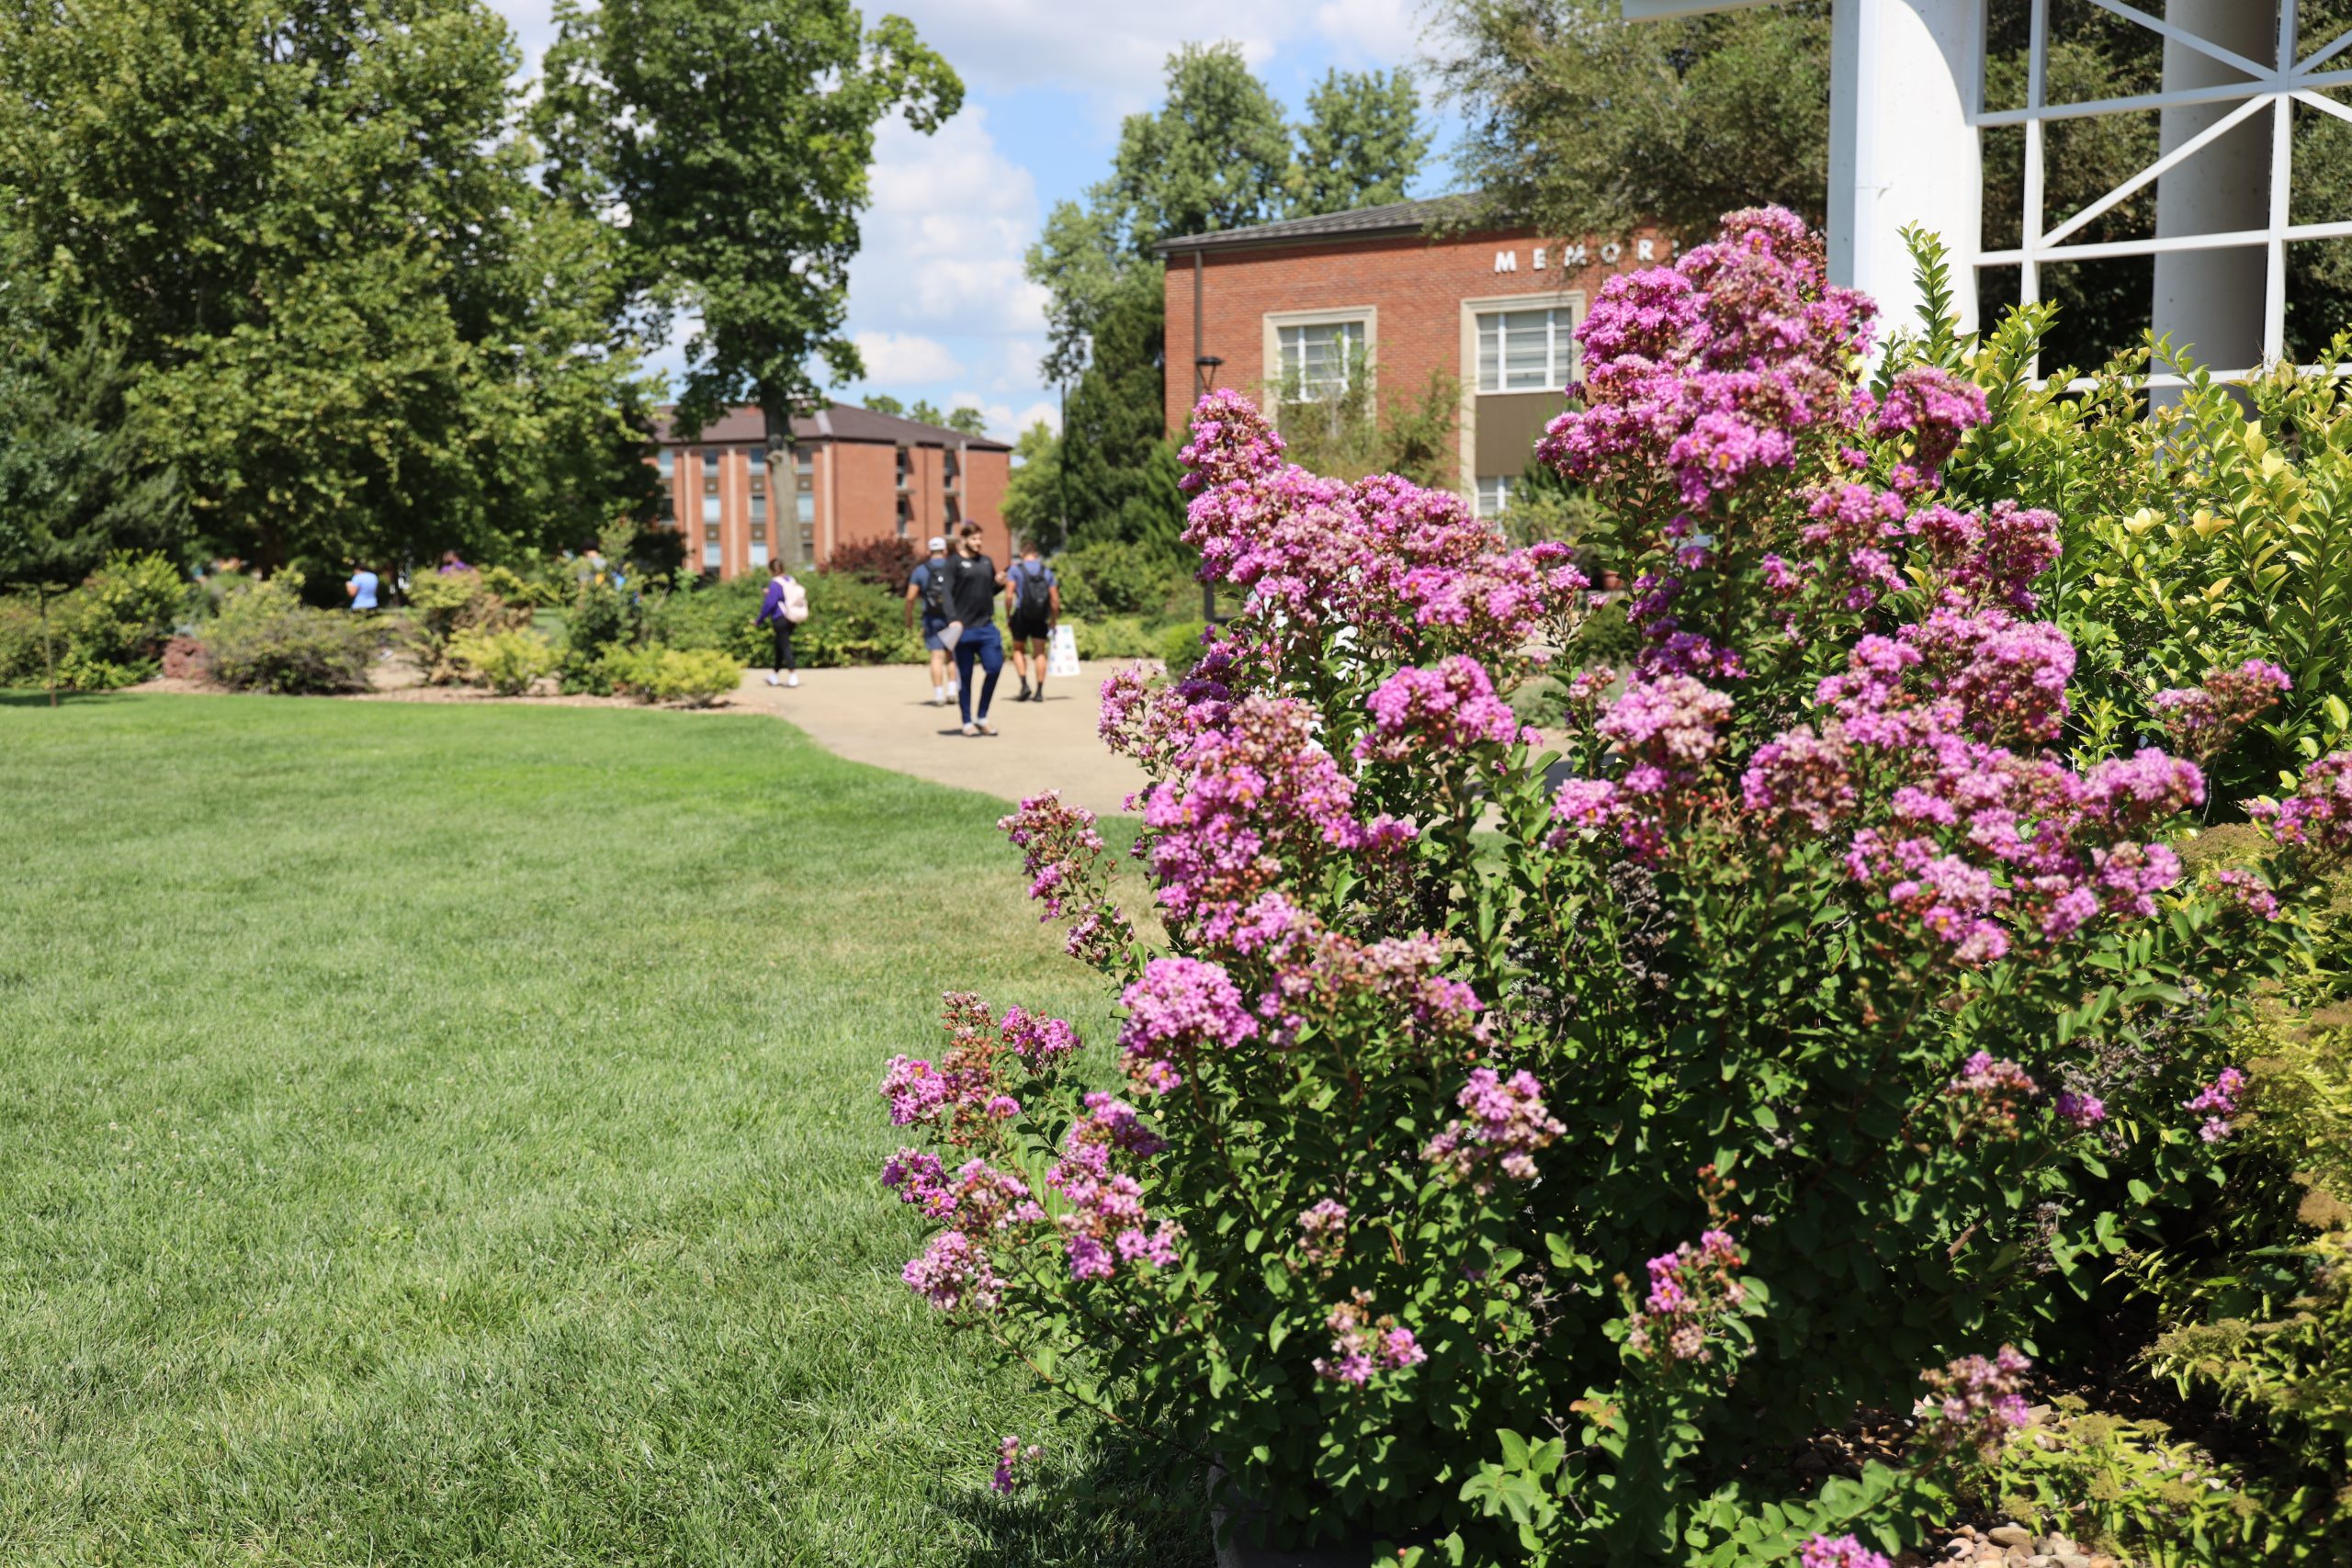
(1522, 1167)
(437, 1135)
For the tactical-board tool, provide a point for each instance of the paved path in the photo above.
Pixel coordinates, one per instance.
(883, 715)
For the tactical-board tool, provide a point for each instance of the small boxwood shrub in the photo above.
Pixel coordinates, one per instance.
(1101, 579)
(105, 633)
(690, 677)
(508, 663)
(1180, 644)
(266, 639)
(1118, 637)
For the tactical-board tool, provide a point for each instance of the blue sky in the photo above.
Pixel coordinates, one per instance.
(937, 300)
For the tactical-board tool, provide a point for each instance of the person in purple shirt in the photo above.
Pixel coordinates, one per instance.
(450, 565)
(785, 608)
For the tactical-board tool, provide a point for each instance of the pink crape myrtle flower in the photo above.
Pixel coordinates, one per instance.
(1691, 1289)
(1363, 1345)
(1177, 1008)
(953, 1274)
(2219, 1100)
(1840, 1552)
(2318, 816)
(1506, 1125)
(1323, 1232)
(1974, 1405)
(2204, 719)
(1010, 1455)
(1104, 1223)
(1450, 709)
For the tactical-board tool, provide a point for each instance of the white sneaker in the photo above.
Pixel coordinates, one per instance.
(793, 679)
(773, 681)
(971, 730)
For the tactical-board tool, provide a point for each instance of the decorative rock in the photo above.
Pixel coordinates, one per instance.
(2009, 1535)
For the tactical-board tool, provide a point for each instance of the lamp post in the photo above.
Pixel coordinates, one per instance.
(1205, 369)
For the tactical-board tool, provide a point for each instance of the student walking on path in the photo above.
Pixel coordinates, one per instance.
(927, 587)
(1032, 598)
(972, 583)
(785, 608)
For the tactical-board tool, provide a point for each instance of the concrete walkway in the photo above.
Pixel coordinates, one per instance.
(882, 715)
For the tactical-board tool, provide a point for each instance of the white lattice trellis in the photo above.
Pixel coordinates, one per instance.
(2273, 88)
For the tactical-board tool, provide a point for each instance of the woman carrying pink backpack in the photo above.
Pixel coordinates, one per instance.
(786, 606)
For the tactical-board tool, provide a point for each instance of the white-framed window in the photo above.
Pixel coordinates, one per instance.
(665, 462)
(1526, 351)
(759, 552)
(710, 509)
(712, 557)
(1317, 357)
(1494, 493)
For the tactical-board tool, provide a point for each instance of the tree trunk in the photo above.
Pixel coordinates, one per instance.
(784, 482)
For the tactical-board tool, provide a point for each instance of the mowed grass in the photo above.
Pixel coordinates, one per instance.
(447, 1134)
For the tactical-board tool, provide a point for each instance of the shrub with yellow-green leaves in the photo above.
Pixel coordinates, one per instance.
(508, 663)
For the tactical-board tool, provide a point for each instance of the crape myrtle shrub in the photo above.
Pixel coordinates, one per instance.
(2196, 535)
(1521, 1169)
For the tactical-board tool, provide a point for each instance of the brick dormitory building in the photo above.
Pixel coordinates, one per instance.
(1394, 292)
(855, 476)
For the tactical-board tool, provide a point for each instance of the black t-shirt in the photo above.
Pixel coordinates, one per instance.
(971, 590)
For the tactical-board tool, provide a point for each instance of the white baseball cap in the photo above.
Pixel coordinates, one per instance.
(937, 543)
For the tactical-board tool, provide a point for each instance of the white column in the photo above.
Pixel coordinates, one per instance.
(2211, 301)
(1904, 85)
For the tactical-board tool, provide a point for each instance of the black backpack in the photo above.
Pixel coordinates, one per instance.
(1034, 589)
(935, 598)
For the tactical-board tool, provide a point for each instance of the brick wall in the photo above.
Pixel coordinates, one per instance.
(986, 475)
(866, 506)
(1415, 288)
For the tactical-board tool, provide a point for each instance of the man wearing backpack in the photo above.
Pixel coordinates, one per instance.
(785, 608)
(927, 586)
(1034, 604)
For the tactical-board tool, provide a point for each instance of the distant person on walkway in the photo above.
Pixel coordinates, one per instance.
(785, 608)
(450, 565)
(1033, 602)
(972, 583)
(361, 589)
(927, 588)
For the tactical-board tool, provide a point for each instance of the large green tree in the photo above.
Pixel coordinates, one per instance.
(1217, 154)
(358, 326)
(738, 137)
(1364, 138)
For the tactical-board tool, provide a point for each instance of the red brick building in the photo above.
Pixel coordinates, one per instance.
(856, 474)
(1394, 293)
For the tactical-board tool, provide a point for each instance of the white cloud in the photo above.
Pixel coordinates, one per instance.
(944, 238)
(1005, 420)
(898, 359)
(1383, 33)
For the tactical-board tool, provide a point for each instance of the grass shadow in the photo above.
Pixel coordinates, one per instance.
(1131, 1504)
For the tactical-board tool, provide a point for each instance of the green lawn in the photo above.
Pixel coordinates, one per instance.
(447, 1134)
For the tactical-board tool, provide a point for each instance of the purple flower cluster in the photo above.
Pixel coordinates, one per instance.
(964, 1094)
(1707, 371)
(1691, 1289)
(981, 1197)
(2079, 1111)
(1839, 1551)
(1105, 1224)
(1381, 554)
(1506, 1125)
(1667, 728)
(953, 1274)
(1988, 1094)
(1009, 1454)
(2218, 1101)
(2248, 891)
(2318, 816)
(1934, 408)
(1068, 871)
(1176, 1008)
(2204, 719)
(1323, 1232)
(1254, 800)
(1450, 709)
(1974, 1405)
(1363, 1345)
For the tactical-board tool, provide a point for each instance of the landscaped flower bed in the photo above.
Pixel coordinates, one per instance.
(1530, 1169)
